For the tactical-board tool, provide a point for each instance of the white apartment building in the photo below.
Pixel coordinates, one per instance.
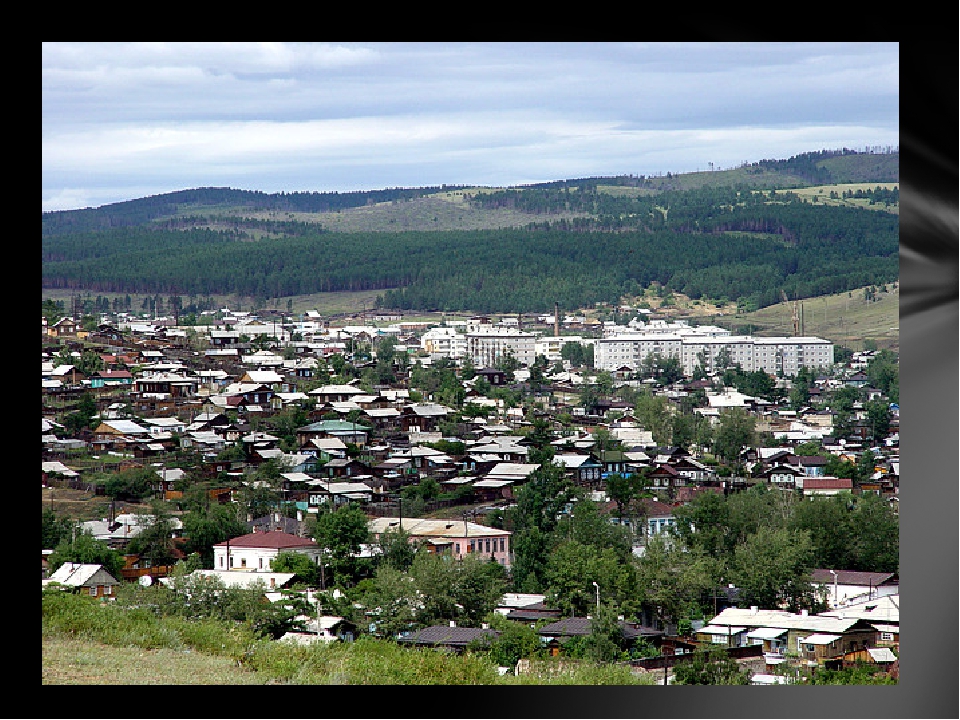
(550, 345)
(488, 345)
(774, 355)
(444, 342)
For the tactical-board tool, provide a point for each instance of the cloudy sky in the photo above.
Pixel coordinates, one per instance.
(128, 120)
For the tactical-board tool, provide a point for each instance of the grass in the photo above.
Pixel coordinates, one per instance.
(844, 318)
(67, 660)
(88, 642)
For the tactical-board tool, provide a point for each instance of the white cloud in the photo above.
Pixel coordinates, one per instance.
(325, 116)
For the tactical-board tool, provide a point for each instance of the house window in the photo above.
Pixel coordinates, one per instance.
(221, 561)
(260, 563)
(243, 562)
(107, 590)
(456, 547)
(502, 545)
(93, 591)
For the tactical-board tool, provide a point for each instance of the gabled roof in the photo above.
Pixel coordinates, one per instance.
(78, 574)
(851, 577)
(446, 635)
(271, 540)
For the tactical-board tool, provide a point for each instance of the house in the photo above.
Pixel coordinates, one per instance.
(556, 634)
(824, 485)
(457, 538)
(255, 551)
(813, 639)
(239, 578)
(782, 476)
(443, 637)
(105, 378)
(842, 587)
(92, 579)
(346, 432)
(326, 629)
(583, 469)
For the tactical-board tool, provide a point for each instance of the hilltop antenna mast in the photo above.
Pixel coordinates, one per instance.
(795, 314)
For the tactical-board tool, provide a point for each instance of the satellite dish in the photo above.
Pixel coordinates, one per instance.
(146, 580)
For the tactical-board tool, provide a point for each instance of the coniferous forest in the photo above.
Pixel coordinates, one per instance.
(592, 240)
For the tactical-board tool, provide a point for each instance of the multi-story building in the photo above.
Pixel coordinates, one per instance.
(444, 342)
(774, 355)
(487, 346)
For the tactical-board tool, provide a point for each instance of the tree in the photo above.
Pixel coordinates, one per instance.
(772, 566)
(396, 549)
(131, 484)
(205, 526)
(479, 584)
(879, 416)
(86, 549)
(82, 418)
(515, 642)
(54, 529)
(876, 542)
(673, 580)
(710, 667)
(305, 570)
(155, 541)
(603, 643)
(735, 432)
(342, 533)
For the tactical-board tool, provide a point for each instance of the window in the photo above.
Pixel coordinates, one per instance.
(93, 591)
(456, 548)
(107, 589)
(243, 562)
(260, 565)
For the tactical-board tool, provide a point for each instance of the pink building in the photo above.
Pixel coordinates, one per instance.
(457, 538)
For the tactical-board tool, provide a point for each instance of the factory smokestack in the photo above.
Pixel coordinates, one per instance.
(556, 319)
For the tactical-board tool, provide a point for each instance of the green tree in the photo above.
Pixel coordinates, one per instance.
(673, 580)
(878, 416)
(155, 540)
(396, 550)
(710, 667)
(54, 529)
(209, 524)
(772, 566)
(83, 417)
(876, 541)
(515, 642)
(132, 484)
(305, 570)
(479, 585)
(87, 550)
(342, 533)
(736, 431)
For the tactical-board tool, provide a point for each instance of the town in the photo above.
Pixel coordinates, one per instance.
(642, 490)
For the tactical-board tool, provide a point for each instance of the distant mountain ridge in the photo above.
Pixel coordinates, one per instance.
(741, 234)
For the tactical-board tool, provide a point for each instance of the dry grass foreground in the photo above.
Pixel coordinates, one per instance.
(75, 661)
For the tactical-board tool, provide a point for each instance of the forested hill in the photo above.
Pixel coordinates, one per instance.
(749, 234)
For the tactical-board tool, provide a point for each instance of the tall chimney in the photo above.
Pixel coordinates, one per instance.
(556, 319)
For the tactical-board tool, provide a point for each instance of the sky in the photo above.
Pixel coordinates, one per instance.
(122, 121)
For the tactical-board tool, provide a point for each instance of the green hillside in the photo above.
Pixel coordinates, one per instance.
(745, 234)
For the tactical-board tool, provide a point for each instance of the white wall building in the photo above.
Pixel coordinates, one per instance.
(444, 342)
(774, 355)
(486, 347)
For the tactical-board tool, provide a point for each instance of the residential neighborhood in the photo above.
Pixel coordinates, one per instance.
(562, 466)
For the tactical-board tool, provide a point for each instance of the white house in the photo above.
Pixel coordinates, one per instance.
(255, 551)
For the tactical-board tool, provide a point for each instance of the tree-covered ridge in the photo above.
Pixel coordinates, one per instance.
(708, 243)
(144, 210)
